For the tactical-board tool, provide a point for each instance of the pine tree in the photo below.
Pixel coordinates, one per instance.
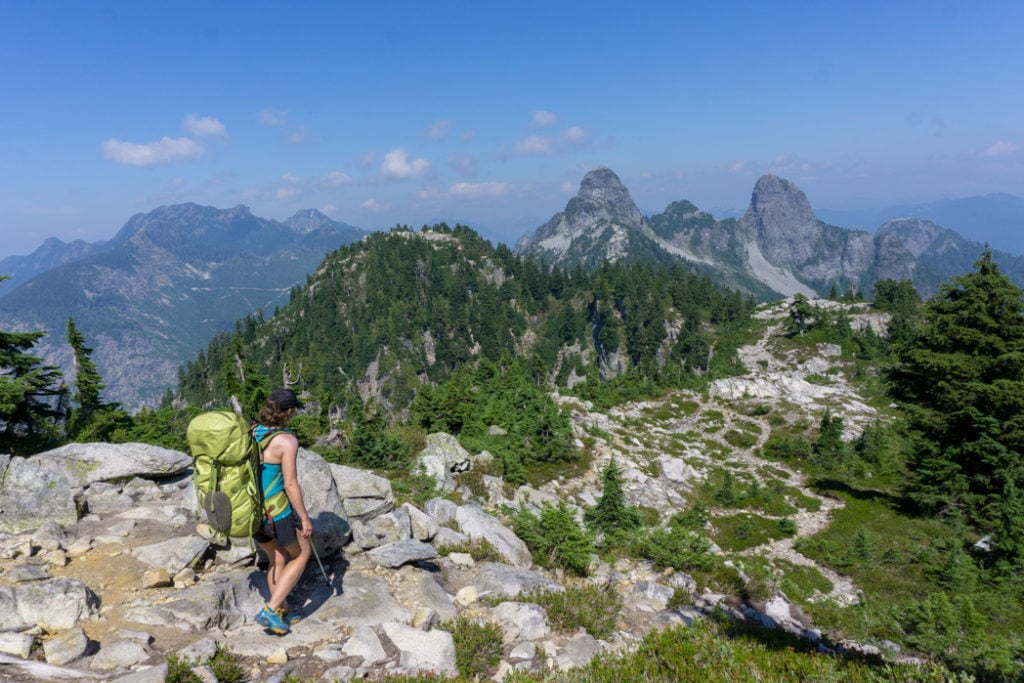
(962, 378)
(612, 514)
(85, 399)
(31, 395)
(800, 311)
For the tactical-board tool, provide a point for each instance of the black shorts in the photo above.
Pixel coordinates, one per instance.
(284, 530)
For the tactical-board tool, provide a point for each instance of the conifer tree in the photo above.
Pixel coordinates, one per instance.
(612, 514)
(85, 399)
(799, 313)
(31, 395)
(962, 378)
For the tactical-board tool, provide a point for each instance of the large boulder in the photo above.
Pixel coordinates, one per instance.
(363, 494)
(443, 456)
(480, 526)
(44, 487)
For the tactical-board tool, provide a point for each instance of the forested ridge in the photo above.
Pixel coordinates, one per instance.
(402, 309)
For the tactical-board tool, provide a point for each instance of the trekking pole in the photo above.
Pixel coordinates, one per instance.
(317, 556)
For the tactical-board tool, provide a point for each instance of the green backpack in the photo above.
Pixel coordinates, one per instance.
(226, 465)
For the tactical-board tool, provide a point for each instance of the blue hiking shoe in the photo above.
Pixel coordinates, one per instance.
(272, 621)
(287, 616)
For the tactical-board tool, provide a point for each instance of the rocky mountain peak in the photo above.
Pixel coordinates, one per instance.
(781, 220)
(602, 185)
(307, 221)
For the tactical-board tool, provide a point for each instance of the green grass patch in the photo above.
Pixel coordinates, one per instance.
(740, 439)
(743, 531)
(587, 607)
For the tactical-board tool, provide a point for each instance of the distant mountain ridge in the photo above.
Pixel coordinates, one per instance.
(778, 248)
(168, 281)
(996, 218)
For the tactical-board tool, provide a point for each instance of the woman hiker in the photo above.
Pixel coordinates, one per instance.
(285, 531)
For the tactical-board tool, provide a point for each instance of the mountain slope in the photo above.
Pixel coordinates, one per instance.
(168, 281)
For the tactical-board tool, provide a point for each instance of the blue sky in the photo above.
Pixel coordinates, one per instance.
(490, 113)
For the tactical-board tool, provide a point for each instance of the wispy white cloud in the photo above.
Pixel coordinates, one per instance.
(203, 126)
(738, 166)
(289, 186)
(541, 118)
(569, 186)
(396, 164)
(335, 179)
(329, 209)
(273, 117)
(440, 129)
(474, 190)
(464, 164)
(1001, 149)
(372, 205)
(574, 134)
(533, 144)
(164, 151)
(429, 193)
(366, 159)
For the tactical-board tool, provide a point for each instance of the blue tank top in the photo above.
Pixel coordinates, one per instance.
(272, 480)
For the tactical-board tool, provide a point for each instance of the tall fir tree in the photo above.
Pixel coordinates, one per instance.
(962, 378)
(85, 399)
(32, 396)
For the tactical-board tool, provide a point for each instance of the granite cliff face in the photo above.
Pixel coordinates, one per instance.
(601, 223)
(779, 247)
(164, 285)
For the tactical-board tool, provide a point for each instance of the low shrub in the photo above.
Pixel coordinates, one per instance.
(587, 607)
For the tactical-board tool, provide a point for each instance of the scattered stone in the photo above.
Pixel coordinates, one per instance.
(479, 525)
(523, 652)
(65, 647)
(579, 651)
(521, 621)
(23, 573)
(173, 554)
(156, 578)
(365, 643)
(17, 644)
(120, 654)
(422, 651)
(186, 577)
(278, 656)
(441, 510)
(402, 552)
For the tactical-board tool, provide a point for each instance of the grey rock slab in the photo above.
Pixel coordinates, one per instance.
(34, 491)
(65, 647)
(648, 596)
(17, 644)
(495, 579)
(441, 510)
(479, 525)
(147, 674)
(92, 462)
(365, 601)
(365, 643)
(50, 537)
(381, 530)
(324, 502)
(121, 654)
(363, 495)
(521, 621)
(23, 573)
(396, 554)
(174, 554)
(422, 526)
(449, 538)
(55, 605)
(579, 651)
(422, 592)
(422, 651)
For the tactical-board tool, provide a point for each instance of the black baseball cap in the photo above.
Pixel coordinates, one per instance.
(285, 399)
